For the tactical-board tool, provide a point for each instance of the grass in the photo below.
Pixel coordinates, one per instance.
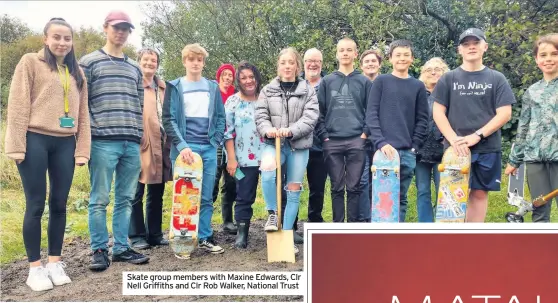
(12, 207)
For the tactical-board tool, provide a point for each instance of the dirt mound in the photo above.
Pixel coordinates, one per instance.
(107, 285)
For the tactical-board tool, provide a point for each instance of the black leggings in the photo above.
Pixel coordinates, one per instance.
(55, 154)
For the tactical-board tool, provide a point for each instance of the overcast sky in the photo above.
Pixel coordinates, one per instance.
(78, 13)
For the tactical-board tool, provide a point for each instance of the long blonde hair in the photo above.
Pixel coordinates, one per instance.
(433, 61)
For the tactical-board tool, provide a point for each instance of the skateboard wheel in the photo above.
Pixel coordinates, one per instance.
(465, 170)
(198, 178)
(441, 167)
(373, 168)
(396, 170)
(171, 235)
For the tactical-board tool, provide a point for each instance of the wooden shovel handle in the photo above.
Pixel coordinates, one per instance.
(542, 200)
(551, 195)
(278, 177)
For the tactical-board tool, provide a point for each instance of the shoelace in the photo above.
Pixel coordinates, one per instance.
(273, 219)
(42, 271)
(59, 267)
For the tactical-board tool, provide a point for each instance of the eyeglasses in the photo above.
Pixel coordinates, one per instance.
(430, 70)
(313, 61)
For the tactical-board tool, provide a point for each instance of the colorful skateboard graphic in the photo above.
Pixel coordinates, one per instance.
(385, 188)
(183, 231)
(454, 187)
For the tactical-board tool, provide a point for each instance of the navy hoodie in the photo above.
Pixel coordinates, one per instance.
(397, 112)
(343, 101)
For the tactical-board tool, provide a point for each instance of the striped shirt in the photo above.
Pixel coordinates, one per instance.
(115, 88)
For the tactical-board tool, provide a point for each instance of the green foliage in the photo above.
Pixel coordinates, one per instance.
(86, 40)
(258, 30)
(12, 29)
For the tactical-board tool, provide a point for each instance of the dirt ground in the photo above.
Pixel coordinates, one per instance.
(107, 285)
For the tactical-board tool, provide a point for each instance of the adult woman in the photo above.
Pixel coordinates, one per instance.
(48, 130)
(225, 77)
(244, 145)
(155, 159)
(536, 142)
(432, 151)
(286, 108)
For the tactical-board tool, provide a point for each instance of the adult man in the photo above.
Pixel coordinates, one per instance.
(115, 87)
(472, 103)
(316, 171)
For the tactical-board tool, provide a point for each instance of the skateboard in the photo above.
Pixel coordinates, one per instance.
(451, 206)
(516, 184)
(526, 206)
(385, 187)
(187, 184)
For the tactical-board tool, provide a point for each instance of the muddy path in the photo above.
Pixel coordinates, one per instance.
(107, 285)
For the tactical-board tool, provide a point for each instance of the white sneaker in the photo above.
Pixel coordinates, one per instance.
(211, 247)
(56, 273)
(295, 250)
(38, 279)
(271, 224)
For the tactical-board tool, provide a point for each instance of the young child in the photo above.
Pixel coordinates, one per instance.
(472, 103)
(398, 118)
(194, 119)
(341, 126)
(536, 142)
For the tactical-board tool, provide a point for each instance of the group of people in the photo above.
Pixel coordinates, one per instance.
(115, 114)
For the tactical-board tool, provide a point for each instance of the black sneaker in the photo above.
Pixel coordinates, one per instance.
(100, 260)
(130, 256)
(298, 239)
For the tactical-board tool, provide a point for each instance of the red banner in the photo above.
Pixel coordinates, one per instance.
(434, 268)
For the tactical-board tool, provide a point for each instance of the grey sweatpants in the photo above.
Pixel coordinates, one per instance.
(542, 178)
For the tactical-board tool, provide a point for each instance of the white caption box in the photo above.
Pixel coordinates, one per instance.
(206, 283)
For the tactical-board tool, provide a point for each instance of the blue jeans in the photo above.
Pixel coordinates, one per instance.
(208, 153)
(408, 163)
(365, 204)
(425, 172)
(296, 167)
(107, 158)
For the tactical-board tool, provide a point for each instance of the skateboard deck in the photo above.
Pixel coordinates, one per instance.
(385, 187)
(453, 194)
(187, 184)
(516, 184)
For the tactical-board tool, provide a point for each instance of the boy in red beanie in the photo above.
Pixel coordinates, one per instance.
(225, 79)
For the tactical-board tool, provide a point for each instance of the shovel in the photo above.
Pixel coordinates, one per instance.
(280, 243)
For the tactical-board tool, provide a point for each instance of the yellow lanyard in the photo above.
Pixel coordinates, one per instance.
(66, 86)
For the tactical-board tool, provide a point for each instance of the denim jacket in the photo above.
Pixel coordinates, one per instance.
(174, 117)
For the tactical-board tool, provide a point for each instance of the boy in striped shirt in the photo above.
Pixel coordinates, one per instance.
(115, 90)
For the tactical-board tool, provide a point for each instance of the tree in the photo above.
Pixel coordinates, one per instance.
(12, 29)
(85, 41)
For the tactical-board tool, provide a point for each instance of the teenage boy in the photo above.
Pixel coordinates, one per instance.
(194, 119)
(341, 127)
(472, 103)
(115, 92)
(370, 63)
(397, 117)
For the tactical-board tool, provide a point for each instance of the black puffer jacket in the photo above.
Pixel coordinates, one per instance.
(432, 150)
